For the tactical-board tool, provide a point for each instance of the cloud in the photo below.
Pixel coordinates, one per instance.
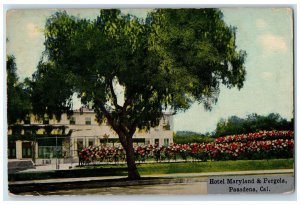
(32, 30)
(260, 23)
(272, 43)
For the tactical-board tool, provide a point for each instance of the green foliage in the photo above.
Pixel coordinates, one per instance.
(18, 94)
(186, 137)
(252, 123)
(215, 166)
(149, 59)
(52, 93)
(197, 52)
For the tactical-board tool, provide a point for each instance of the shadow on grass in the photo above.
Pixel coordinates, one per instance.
(74, 173)
(31, 188)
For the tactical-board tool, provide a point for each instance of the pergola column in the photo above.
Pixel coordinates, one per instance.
(19, 149)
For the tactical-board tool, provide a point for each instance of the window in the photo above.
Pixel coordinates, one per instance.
(91, 142)
(88, 121)
(156, 141)
(109, 140)
(166, 141)
(139, 140)
(47, 152)
(79, 145)
(26, 150)
(49, 147)
(165, 120)
(11, 150)
(72, 121)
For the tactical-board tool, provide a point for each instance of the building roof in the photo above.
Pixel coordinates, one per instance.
(83, 109)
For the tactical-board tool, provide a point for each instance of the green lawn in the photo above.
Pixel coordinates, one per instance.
(215, 166)
(210, 166)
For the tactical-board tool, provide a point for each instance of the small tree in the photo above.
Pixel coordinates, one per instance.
(173, 58)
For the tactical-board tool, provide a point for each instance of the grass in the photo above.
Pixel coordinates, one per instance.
(215, 166)
(159, 168)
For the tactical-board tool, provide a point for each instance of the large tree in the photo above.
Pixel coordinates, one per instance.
(170, 60)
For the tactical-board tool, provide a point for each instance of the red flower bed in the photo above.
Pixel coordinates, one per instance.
(260, 145)
(280, 148)
(101, 153)
(262, 135)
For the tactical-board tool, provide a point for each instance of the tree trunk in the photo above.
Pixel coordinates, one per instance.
(124, 137)
(133, 173)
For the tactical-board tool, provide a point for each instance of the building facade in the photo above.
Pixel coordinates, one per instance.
(50, 140)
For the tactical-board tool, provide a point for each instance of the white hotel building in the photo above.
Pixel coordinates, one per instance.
(81, 130)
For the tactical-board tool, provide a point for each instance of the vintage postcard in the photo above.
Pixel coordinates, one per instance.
(157, 101)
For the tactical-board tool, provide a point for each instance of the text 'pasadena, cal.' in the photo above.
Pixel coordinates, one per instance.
(250, 184)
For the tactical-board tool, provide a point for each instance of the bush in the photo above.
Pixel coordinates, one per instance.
(260, 145)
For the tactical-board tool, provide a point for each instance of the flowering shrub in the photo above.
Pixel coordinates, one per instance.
(262, 135)
(252, 150)
(101, 153)
(260, 145)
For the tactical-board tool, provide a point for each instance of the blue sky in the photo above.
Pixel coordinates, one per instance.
(265, 33)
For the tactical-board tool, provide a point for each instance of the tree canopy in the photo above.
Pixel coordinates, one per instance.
(169, 60)
(252, 123)
(18, 96)
(186, 137)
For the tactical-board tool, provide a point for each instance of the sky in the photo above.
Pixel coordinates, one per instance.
(266, 34)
